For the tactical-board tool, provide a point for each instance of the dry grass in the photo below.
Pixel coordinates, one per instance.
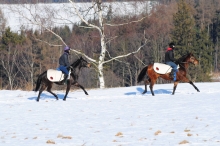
(63, 137)
(50, 142)
(189, 134)
(119, 134)
(59, 136)
(184, 142)
(186, 130)
(157, 132)
(66, 137)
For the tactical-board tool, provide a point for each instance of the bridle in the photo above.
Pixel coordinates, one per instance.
(192, 60)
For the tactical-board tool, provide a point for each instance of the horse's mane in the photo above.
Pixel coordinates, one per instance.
(75, 63)
(181, 59)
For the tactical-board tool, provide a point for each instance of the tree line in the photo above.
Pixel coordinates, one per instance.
(191, 24)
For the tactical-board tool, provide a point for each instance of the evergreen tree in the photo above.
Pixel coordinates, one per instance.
(183, 33)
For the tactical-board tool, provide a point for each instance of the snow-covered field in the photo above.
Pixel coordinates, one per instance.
(113, 117)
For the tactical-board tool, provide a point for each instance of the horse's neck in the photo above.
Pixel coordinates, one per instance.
(75, 73)
(75, 64)
(185, 63)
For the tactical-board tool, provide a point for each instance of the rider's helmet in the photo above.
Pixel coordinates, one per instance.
(66, 48)
(171, 45)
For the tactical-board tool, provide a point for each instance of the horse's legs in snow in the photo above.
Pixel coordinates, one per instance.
(67, 89)
(49, 90)
(174, 87)
(80, 86)
(194, 86)
(152, 85)
(42, 88)
(186, 80)
(145, 85)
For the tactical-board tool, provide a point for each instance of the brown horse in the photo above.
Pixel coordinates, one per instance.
(152, 76)
(43, 82)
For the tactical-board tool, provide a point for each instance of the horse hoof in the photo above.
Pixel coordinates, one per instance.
(87, 93)
(64, 99)
(144, 92)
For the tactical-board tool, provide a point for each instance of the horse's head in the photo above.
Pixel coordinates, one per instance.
(80, 63)
(191, 59)
(84, 63)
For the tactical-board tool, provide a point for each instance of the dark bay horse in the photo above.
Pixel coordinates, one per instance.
(151, 75)
(43, 82)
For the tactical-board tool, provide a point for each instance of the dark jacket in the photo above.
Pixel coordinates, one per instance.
(63, 60)
(169, 55)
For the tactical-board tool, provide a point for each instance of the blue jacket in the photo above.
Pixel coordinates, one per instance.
(64, 60)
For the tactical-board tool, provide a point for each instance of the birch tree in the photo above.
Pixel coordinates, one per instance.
(41, 16)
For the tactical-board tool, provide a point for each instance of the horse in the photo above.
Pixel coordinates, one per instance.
(152, 75)
(44, 83)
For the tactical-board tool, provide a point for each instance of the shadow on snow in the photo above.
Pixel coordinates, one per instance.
(141, 90)
(46, 96)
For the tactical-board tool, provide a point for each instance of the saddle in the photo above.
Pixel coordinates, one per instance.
(162, 68)
(55, 75)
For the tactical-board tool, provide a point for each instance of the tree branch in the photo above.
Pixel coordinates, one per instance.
(125, 23)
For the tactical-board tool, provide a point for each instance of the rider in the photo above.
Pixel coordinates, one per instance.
(169, 60)
(64, 63)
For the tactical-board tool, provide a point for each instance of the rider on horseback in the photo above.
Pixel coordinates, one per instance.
(169, 60)
(64, 63)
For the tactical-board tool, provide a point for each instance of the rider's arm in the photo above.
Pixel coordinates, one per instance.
(66, 60)
(171, 56)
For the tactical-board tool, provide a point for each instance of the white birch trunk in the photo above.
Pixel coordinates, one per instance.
(103, 47)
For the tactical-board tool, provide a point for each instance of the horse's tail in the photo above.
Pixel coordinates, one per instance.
(142, 74)
(39, 82)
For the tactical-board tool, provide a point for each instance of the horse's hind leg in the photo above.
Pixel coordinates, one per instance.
(49, 90)
(43, 87)
(38, 98)
(145, 85)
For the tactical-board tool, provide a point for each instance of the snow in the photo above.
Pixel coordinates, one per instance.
(112, 117)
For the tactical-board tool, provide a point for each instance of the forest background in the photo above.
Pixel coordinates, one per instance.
(193, 25)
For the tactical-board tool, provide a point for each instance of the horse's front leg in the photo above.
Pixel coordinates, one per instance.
(67, 90)
(80, 86)
(174, 87)
(194, 86)
(190, 82)
(151, 86)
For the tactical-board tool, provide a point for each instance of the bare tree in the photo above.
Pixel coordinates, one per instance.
(8, 60)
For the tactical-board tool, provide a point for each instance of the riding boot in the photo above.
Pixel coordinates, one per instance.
(64, 80)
